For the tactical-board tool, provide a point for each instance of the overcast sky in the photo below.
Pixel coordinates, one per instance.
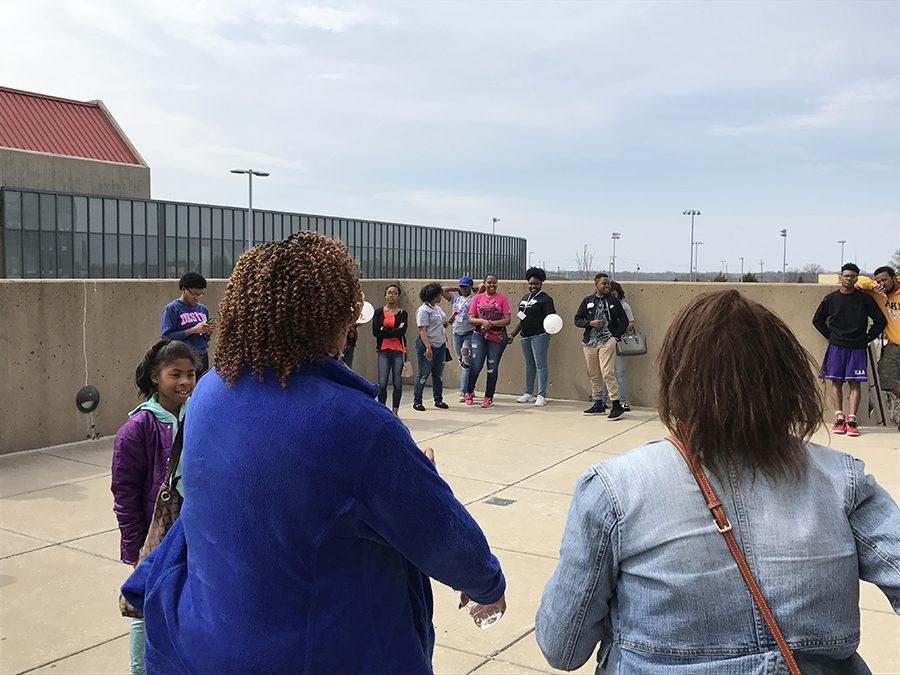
(567, 120)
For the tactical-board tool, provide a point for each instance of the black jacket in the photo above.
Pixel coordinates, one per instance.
(844, 319)
(615, 315)
(380, 332)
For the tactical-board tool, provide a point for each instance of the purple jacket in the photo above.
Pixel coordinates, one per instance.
(139, 463)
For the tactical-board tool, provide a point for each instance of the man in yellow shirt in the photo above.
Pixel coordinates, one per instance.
(884, 287)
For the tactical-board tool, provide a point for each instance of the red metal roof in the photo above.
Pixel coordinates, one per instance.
(61, 126)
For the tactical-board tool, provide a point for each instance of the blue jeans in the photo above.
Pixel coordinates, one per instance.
(435, 368)
(490, 351)
(460, 341)
(390, 363)
(534, 349)
(136, 647)
(621, 364)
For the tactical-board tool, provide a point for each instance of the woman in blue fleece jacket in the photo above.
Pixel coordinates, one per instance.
(313, 521)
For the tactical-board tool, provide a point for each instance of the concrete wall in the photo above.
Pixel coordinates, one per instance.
(56, 173)
(46, 358)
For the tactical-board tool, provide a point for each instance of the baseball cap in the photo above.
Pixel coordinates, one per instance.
(466, 281)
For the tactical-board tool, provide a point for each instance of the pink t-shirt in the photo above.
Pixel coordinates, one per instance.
(493, 308)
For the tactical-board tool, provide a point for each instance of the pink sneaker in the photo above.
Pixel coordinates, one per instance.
(469, 399)
(487, 402)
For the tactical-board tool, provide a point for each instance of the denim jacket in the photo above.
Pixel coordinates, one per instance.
(644, 571)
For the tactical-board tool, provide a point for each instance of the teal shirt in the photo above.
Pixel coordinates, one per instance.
(164, 415)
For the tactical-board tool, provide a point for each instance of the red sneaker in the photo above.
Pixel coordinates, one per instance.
(852, 428)
(470, 399)
(840, 426)
(487, 402)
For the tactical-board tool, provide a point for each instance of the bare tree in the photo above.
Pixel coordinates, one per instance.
(812, 269)
(895, 260)
(584, 262)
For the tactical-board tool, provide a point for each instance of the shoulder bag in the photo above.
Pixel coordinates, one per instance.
(634, 344)
(724, 526)
(165, 513)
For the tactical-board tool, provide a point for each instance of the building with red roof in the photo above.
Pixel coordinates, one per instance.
(61, 145)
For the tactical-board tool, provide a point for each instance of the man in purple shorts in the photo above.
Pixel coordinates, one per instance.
(843, 318)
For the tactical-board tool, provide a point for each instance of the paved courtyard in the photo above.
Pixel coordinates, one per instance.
(59, 569)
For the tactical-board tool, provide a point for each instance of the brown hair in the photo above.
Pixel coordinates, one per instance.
(736, 385)
(285, 305)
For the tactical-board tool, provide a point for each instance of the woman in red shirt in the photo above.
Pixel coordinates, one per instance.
(389, 329)
(490, 314)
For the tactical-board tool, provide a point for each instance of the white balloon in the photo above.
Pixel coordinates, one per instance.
(366, 313)
(553, 323)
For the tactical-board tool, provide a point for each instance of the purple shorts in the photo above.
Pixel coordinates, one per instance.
(844, 364)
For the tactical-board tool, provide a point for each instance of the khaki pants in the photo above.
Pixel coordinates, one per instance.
(601, 365)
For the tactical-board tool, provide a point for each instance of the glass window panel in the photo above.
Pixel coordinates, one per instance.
(64, 255)
(181, 263)
(153, 271)
(171, 257)
(206, 257)
(12, 250)
(295, 224)
(48, 254)
(95, 215)
(124, 216)
(139, 217)
(267, 227)
(217, 258)
(125, 271)
(64, 213)
(110, 216)
(181, 214)
(217, 223)
(205, 222)
(238, 250)
(193, 222)
(48, 212)
(152, 219)
(12, 209)
(32, 245)
(304, 222)
(257, 227)
(80, 254)
(110, 256)
(228, 225)
(139, 258)
(96, 256)
(193, 255)
(227, 257)
(30, 211)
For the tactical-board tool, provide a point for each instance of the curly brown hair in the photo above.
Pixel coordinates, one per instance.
(285, 305)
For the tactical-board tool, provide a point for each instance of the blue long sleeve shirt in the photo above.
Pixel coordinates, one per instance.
(177, 317)
(312, 526)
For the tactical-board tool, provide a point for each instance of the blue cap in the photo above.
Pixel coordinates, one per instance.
(466, 281)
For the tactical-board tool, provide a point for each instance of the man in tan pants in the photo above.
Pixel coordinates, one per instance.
(604, 322)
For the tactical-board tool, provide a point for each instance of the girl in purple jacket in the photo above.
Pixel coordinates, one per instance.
(165, 377)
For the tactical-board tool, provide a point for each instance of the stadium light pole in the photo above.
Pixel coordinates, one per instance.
(760, 270)
(615, 237)
(784, 256)
(249, 226)
(842, 242)
(691, 213)
(742, 269)
(494, 222)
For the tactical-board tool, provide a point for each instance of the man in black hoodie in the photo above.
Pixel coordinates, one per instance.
(843, 319)
(604, 322)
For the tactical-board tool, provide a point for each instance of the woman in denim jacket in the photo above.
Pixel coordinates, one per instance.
(643, 569)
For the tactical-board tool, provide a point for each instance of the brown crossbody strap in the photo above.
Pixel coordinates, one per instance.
(724, 526)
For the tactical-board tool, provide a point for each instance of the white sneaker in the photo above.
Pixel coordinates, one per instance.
(525, 398)
(540, 402)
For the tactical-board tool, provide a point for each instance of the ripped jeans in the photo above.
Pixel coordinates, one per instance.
(490, 351)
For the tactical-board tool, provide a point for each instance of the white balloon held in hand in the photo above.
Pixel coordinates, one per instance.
(553, 323)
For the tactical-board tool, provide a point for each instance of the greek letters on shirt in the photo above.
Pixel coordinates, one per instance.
(192, 317)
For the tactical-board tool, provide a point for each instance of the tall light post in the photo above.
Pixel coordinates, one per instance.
(691, 213)
(742, 269)
(784, 256)
(615, 237)
(760, 270)
(842, 242)
(494, 222)
(249, 226)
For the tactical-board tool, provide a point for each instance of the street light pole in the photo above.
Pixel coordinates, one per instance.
(615, 237)
(760, 270)
(742, 270)
(691, 213)
(494, 222)
(248, 228)
(842, 242)
(784, 256)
